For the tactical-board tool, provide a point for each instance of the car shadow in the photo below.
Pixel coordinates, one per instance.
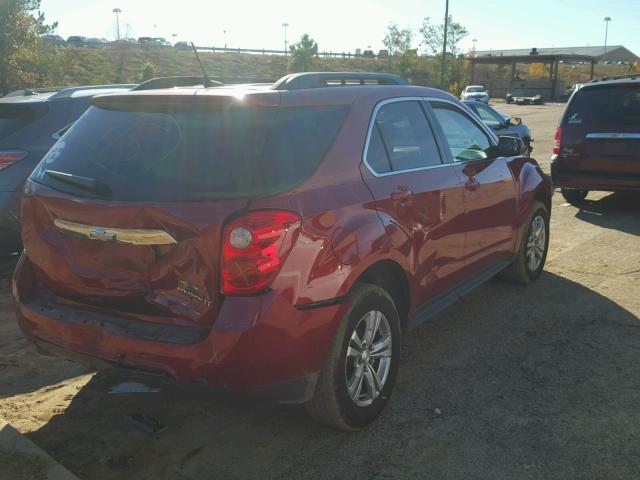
(22, 368)
(617, 211)
(540, 381)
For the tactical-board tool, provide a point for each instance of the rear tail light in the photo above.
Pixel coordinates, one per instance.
(9, 157)
(557, 142)
(254, 248)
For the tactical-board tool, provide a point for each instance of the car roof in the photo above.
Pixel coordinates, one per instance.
(47, 94)
(631, 79)
(265, 95)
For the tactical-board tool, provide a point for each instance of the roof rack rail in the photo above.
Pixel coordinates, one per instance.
(171, 82)
(298, 81)
(632, 76)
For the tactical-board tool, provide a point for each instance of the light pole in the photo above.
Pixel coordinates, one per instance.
(444, 43)
(225, 38)
(475, 41)
(286, 50)
(117, 11)
(606, 33)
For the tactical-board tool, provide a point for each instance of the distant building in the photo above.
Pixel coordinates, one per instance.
(615, 53)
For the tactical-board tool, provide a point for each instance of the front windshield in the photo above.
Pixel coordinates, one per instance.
(475, 89)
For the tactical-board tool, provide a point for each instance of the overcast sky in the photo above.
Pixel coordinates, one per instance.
(349, 24)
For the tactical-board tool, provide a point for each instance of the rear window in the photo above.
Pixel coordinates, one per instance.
(14, 116)
(236, 152)
(607, 107)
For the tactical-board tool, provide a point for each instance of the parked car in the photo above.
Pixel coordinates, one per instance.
(572, 89)
(145, 41)
(76, 41)
(55, 40)
(160, 42)
(368, 54)
(383, 53)
(182, 46)
(475, 92)
(30, 123)
(96, 42)
(597, 145)
(524, 97)
(284, 244)
(502, 124)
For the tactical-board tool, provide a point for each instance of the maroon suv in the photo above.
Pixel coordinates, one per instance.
(277, 238)
(598, 142)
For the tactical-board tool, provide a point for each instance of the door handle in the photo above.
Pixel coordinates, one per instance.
(403, 195)
(472, 184)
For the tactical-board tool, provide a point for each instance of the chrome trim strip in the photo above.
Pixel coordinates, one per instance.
(370, 131)
(482, 126)
(613, 136)
(130, 236)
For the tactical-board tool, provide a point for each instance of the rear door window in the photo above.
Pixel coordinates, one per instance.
(466, 140)
(401, 139)
(185, 155)
(607, 107)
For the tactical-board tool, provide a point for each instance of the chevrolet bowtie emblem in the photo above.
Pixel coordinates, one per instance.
(103, 235)
(129, 236)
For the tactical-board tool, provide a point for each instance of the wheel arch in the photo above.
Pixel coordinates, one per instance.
(391, 277)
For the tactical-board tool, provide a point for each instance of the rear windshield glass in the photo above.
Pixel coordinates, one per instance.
(605, 107)
(15, 116)
(237, 152)
(475, 89)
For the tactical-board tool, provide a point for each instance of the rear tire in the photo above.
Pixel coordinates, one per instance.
(532, 254)
(344, 397)
(574, 196)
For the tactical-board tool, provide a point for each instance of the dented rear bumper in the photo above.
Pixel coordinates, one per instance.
(260, 343)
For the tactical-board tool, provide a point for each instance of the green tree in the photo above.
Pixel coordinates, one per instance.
(148, 72)
(21, 24)
(397, 40)
(433, 36)
(303, 54)
(433, 39)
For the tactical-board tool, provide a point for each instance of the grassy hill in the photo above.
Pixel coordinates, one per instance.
(125, 63)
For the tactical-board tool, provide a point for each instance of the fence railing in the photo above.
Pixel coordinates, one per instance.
(264, 51)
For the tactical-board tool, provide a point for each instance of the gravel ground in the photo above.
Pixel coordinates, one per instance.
(513, 382)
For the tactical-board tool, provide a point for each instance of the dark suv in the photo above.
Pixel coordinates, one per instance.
(30, 123)
(597, 144)
(281, 238)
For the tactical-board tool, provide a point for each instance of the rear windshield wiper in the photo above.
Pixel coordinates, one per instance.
(83, 183)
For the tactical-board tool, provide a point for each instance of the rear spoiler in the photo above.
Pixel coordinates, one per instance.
(162, 101)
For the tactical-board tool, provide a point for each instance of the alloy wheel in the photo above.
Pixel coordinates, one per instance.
(368, 358)
(536, 243)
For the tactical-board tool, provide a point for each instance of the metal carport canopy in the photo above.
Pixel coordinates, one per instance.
(553, 60)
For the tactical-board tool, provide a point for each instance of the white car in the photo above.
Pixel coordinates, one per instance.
(475, 92)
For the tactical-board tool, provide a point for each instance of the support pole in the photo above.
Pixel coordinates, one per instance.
(444, 45)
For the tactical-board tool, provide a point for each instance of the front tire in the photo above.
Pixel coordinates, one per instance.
(574, 196)
(532, 254)
(362, 362)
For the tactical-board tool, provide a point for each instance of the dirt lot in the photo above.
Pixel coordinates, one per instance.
(514, 382)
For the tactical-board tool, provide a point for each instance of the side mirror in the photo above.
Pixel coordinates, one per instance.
(510, 146)
(514, 121)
